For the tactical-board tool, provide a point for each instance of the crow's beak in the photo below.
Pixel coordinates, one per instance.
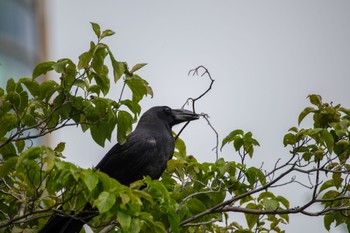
(182, 115)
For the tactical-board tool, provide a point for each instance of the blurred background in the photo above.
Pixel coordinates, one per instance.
(266, 57)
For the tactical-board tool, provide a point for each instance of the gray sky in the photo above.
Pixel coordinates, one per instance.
(266, 57)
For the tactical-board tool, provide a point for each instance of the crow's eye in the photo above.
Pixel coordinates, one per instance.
(167, 110)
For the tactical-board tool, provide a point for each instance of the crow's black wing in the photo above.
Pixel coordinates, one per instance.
(141, 155)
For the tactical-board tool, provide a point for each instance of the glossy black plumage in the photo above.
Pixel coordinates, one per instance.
(145, 152)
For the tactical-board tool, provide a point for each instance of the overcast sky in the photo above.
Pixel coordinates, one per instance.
(266, 57)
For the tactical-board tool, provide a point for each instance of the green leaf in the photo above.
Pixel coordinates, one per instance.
(338, 180)
(94, 89)
(53, 120)
(174, 220)
(328, 220)
(84, 60)
(252, 174)
(231, 137)
(283, 200)
(90, 180)
(107, 33)
(157, 190)
(119, 68)
(289, 139)
(8, 151)
(285, 217)
(327, 185)
(19, 87)
(68, 68)
(181, 148)
(304, 113)
(196, 206)
(341, 146)
(65, 110)
(135, 226)
(47, 89)
(96, 29)
(24, 102)
(11, 85)
(315, 99)
(124, 220)
(134, 107)
(294, 129)
(139, 87)
(105, 201)
(31, 85)
(252, 219)
(8, 166)
(107, 181)
(8, 122)
(103, 119)
(83, 84)
(330, 194)
(103, 82)
(313, 132)
(124, 126)
(264, 195)
(158, 227)
(15, 99)
(345, 110)
(328, 138)
(125, 198)
(43, 68)
(238, 142)
(100, 132)
(270, 204)
(60, 147)
(217, 197)
(143, 194)
(20, 145)
(137, 67)
(99, 55)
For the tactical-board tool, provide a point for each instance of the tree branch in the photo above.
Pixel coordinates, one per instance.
(194, 72)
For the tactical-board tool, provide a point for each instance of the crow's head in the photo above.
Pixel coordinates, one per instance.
(168, 116)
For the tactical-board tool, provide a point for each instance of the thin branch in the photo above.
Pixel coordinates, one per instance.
(198, 193)
(109, 227)
(24, 218)
(194, 72)
(182, 129)
(216, 148)
(201, 223)
(234, 199)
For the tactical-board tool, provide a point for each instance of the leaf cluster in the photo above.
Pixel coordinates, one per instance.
(327, 145)
(31, 177)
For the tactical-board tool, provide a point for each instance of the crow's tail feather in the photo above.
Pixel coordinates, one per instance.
(62, 224)
(68, 224)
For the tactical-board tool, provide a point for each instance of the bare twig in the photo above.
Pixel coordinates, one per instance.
(109, 227)
(196, 72)
(206, 72)
(216, 148)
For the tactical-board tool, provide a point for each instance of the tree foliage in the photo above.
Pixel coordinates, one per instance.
(191, 196)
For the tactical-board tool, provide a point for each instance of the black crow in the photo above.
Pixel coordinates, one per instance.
(145, 152)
